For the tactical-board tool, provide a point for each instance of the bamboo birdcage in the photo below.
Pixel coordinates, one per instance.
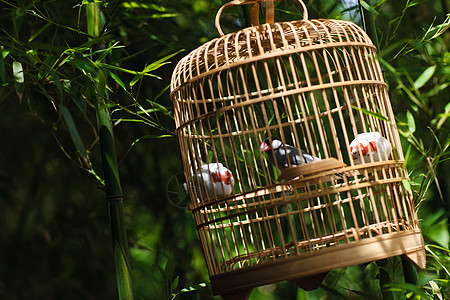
(315, 85)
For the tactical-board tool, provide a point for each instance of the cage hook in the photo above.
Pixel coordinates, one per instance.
(270, 8)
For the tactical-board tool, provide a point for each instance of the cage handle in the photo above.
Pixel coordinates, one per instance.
(270, 15)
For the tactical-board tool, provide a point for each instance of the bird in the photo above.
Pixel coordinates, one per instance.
(286, 155)
(211, 180)
(369, 144)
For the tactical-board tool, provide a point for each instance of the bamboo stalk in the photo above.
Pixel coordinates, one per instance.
(113, 187)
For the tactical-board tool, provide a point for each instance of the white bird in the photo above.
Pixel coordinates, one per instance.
(370, 144)
(212, 180)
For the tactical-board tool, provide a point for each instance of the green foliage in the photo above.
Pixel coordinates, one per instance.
(52, 76)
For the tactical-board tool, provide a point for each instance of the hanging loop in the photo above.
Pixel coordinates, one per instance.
(270, 15)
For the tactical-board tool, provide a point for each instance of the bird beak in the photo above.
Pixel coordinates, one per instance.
(264, 147)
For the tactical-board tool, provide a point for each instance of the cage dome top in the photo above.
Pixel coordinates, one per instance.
(265, 41)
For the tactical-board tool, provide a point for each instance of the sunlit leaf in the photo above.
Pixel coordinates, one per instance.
(425, 77)
(436, 257)
(140, 76)
(108, 66)
(415, 2)
(435, 289)
(117, 80)
(4, 52)
(144, 5)
(158, 16)
(18, 72)
(19, 78)
(151, 67)
(189, 289)
(157, 64)
(411, 122)
(406, 185)
(84, 2)
(405, 287)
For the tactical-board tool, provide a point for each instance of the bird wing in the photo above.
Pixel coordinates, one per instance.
(308, 158)
(297, 159)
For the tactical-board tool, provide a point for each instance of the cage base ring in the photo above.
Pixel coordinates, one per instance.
(409, 243)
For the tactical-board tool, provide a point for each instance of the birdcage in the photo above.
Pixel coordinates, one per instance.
(291, 154)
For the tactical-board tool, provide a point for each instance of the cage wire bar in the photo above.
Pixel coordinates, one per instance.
(315, 85)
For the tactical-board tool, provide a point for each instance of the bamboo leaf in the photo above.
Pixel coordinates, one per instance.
(105, 52)
(144, 138)
(168, 269)
(371, 113)
(4, 52)
(84, 2)
(155, 65)
(101, 87)
(117, 80)
(18, 72)
(189, 289)
(161, 270)
(67, 116)
(415, 2)
(407, 186)
(158, 16)
(103, 65)
(439, 258)
(368, 7)
(162, 92)
(411, 122)
(436, 289)
(38, 32)
(159, 107)
(443, 117)
(174, 284)
(425, 77)
(19, 78)
(151, 67)
(57, 83)
(144, 5)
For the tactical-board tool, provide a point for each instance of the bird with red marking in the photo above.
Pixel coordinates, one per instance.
(212, 180)
(370, 144)
(285, 155)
